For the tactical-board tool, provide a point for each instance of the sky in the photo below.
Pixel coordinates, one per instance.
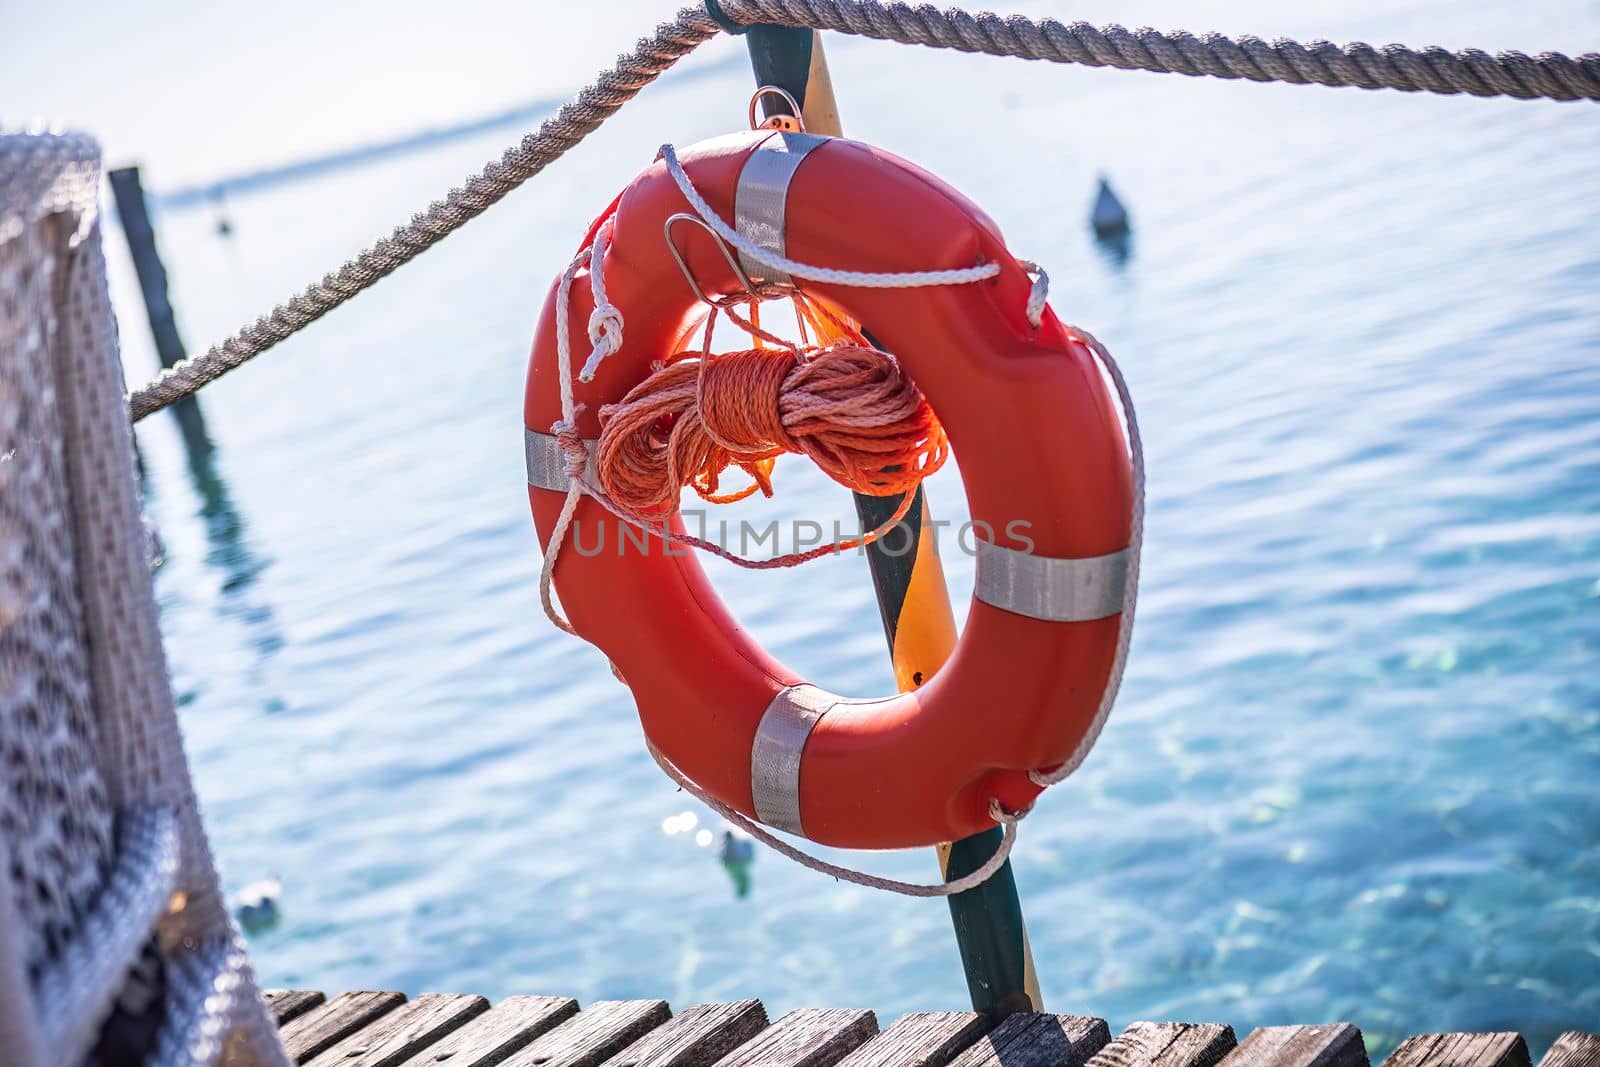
(197, 89)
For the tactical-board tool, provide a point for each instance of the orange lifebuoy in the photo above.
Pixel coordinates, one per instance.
(1043, 457)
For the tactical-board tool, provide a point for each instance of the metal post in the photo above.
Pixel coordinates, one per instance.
(915, 604)
(141, 236)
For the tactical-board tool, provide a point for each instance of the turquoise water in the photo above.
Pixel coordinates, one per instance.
(1355, 772)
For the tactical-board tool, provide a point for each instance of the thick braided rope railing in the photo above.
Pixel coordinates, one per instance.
(1549, 75)
(575, 121)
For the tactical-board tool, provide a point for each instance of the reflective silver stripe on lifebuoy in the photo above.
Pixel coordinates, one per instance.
(759, 202)
(1056, 590)
(547, 467)
(775, 753)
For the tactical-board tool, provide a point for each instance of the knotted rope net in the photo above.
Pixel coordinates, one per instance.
(115, 940)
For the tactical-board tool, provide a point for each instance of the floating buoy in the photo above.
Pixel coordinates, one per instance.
(736, 852)
(736, 849)
(1027, 411)
(1108, 217)
(224, 224)
(256, 906)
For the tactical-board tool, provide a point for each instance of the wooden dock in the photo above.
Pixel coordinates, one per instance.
(454, 1030)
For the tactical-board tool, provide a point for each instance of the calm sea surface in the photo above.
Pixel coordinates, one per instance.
(1355, 771)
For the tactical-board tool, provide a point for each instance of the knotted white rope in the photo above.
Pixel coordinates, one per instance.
(1038, 295)
(605, 325)
(605, 337)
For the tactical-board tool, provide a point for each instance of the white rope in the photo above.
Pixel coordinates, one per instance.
(1130, 589)
(605, 334)
(849, 874)
(860, 279)
(605, 325)
(1038, 295)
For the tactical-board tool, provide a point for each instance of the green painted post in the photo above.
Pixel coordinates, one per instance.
(990, 932)
(134, 215)
(988, 920)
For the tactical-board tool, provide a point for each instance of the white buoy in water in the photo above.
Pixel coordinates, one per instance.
(1109, 218)
(256, 906)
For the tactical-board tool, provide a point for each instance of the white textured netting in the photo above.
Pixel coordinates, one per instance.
(55, 814)
(111, 919)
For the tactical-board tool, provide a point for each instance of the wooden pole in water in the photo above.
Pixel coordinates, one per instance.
(141, 235)
(915, 603)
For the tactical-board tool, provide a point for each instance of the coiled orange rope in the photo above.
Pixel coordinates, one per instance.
(848, 406)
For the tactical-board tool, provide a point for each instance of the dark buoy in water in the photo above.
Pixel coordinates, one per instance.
(1112, 230)
(737, 852)
(224, 225)
(257, 906)
(1109, 218)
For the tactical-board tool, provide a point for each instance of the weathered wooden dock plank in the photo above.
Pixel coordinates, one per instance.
(808, 1037)
(383, 1029)
(327, 1024)
(1332, 1045)
(491, 1038)
(395, 1036)
(594, 1035)
(921, 1039)
(1147, 1044)
(1461, 1050)
(1038, 1040)
(696, 1037)
(286, 1004)
(1573, 1049)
